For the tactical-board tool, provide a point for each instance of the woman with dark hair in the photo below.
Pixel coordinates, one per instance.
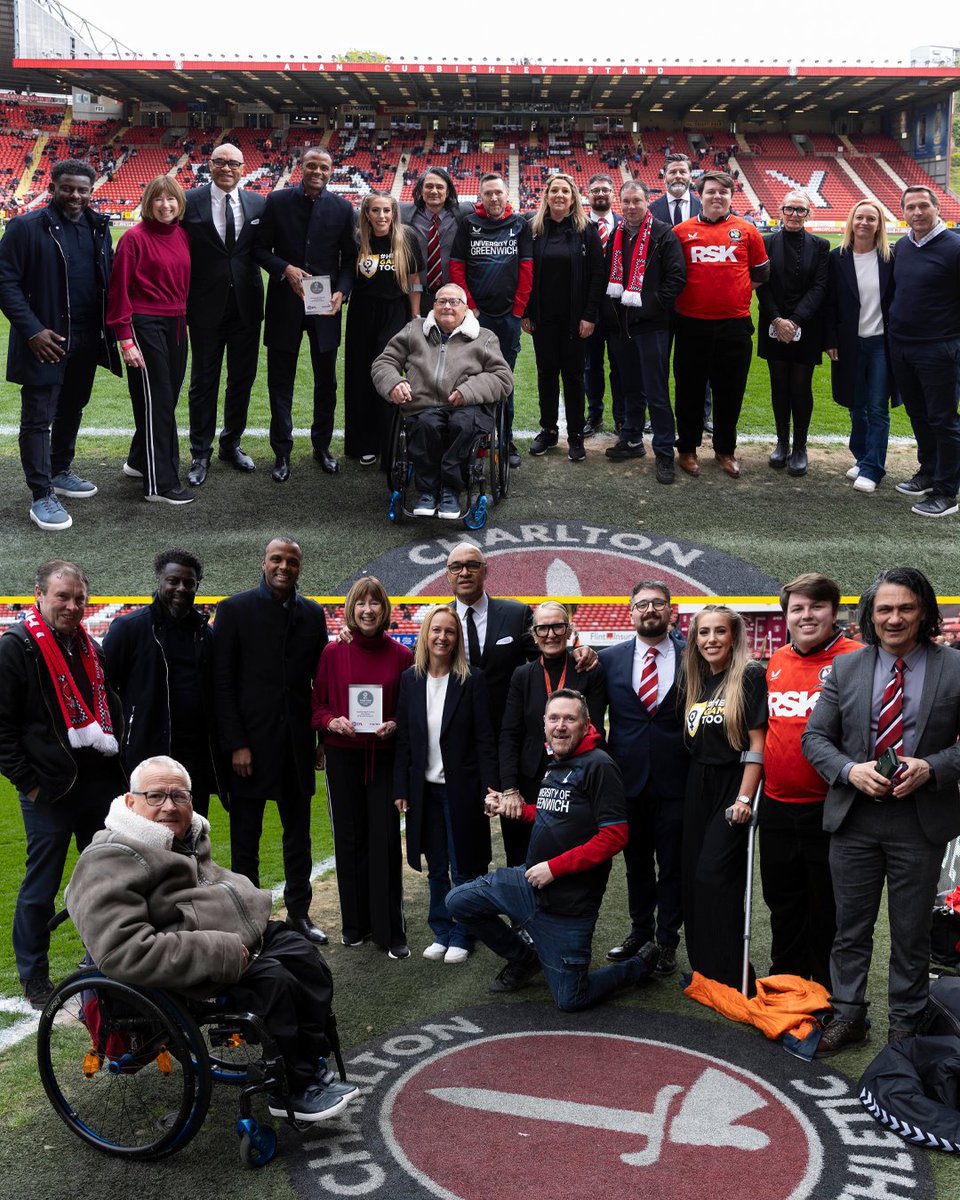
(856, 324)
(446, 763)
(359, 769)
(434, 216)
(147, 309)
(790, 333)
(562, 312)
(385, 296)
(725, 702)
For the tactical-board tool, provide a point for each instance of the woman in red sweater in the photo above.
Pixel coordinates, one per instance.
(147, 308)
(359, 768)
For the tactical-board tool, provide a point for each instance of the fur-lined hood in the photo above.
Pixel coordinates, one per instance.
(469, 327)
(129, 824)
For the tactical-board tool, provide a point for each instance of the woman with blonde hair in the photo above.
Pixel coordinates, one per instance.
(359, 768)
(562, 312)
(446, 762)
(725, 705)
(859, 293)
(385, 296)
(147, 309)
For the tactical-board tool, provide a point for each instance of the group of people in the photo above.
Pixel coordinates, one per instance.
(656, 748)
(580, 280)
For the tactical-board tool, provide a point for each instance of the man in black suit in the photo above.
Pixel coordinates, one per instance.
(646, 743)
(600, 195)
(902, 693)
(267, 644)
(679, 202)
(224, 309)
(305, 230)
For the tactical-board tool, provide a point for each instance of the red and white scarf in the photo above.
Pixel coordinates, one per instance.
(615, 289)
(83, 727)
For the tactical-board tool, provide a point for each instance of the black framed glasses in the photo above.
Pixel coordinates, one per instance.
(643, 605)
(155, 797)
(456, 567)
(230, 163)
(557, 627)
(793, 210)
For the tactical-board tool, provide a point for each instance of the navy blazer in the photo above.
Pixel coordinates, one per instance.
(841, 322)
(469, 765)
(663, 212)
(214, 270)
(838, 732)
(330, 249)
(648, 750)
(507, 645)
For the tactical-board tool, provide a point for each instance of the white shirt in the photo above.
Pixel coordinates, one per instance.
(927, 237)
(605, 219)
(436, 697)
(684, 205)
(479, 619)
(219, 211)
(666, 665)
(868, 285)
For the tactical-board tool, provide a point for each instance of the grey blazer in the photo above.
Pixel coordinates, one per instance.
(838, 732)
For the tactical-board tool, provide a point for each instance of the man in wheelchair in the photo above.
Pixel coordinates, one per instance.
(154, 910)
(445, 374)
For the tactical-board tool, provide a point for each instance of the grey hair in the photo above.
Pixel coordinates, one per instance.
(164, 762)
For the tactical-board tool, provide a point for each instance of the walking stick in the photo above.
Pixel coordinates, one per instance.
(750, 756)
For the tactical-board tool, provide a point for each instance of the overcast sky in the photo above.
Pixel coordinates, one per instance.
(744, 31)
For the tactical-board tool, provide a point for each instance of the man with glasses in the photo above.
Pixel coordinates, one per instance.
(646, 743)
(224, 309)
(60, 729)
(160, 660)
(154, 910)
(600, 196)
(444, 374)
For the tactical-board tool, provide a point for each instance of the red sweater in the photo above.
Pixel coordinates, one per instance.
(151, 276)
(377, 660)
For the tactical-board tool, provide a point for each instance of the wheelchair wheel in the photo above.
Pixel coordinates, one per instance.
(126, 1069)
(399, 470)
(500, 483)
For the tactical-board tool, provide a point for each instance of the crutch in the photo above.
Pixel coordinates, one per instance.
(750, 756)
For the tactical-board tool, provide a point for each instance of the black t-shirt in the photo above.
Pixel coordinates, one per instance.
(577, 797)
(705, 733)
(376, 274)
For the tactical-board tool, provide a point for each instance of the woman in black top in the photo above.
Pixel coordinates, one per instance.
(790, 335)
(385, 296)
(725, 701)
(568, 283)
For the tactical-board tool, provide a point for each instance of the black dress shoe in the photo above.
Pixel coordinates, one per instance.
(797, 462)
(327, 462)
(840, 1034)
(236, 457)
(778, 459)
(281, 470)
(627, 948)
(198, 470)
(313, 933)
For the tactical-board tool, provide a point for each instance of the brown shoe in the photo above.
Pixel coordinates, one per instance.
(689, 463)
(730, 464)
(840, 1034)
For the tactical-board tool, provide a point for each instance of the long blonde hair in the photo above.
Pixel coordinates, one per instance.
(882, 242)
(696, 672)
(578, 216)
(402, 262)
(421, 654)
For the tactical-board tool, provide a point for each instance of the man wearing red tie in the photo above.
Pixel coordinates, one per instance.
(646, 742)
(884, 737)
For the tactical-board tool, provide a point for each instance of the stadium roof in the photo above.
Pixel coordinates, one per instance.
(745, 91)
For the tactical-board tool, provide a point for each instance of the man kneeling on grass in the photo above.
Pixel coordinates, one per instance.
(153, 909)
(579, 824)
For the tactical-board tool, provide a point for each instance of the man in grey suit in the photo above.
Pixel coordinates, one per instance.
(902, 692)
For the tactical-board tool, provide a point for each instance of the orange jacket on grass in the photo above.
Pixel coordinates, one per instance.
(784, 1004)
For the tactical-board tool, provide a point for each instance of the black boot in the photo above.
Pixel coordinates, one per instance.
(797, 463)
(778, 459)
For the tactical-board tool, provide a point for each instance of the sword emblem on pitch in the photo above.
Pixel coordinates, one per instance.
(707, 1116)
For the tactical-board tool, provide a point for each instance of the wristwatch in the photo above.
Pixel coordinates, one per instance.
(747, 800)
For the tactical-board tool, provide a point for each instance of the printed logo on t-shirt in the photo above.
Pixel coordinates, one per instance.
(734, 235)
(707, 712)
(824, 672)
(555, 798)
(368, 266)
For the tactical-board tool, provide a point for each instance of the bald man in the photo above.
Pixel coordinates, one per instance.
(224, 309)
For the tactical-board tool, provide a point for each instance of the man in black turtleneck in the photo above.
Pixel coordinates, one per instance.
(160, 660)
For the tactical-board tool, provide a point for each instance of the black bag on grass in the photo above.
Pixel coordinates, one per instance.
(912, 1088)
(945, 936)
(942, 1015)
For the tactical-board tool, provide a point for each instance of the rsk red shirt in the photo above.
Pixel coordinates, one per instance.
(719, 260)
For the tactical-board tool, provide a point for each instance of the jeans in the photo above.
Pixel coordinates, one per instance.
(870, 412)
(50, 416)
(438, 849)
(507, 329)
(927, 375)
(562, 942)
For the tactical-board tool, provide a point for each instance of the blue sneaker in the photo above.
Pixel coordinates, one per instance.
(67, 483)
(49, 513)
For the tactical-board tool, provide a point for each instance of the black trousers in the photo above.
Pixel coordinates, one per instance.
(593, 380)
(50, 416)
(289, 986)
(791, 394)
(246, 828)
(439, 441)
(516, 834)
(366, 842)
(154, 392)
(653, 860)
(208, 343)
(559, 357)
(281, 374)
(798, 889)
(717, 353)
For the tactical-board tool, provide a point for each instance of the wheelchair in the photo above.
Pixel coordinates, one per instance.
(487, 471)
(130, 1070)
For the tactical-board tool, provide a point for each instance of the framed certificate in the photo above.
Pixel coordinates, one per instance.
(317, 295)
(366, 707)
